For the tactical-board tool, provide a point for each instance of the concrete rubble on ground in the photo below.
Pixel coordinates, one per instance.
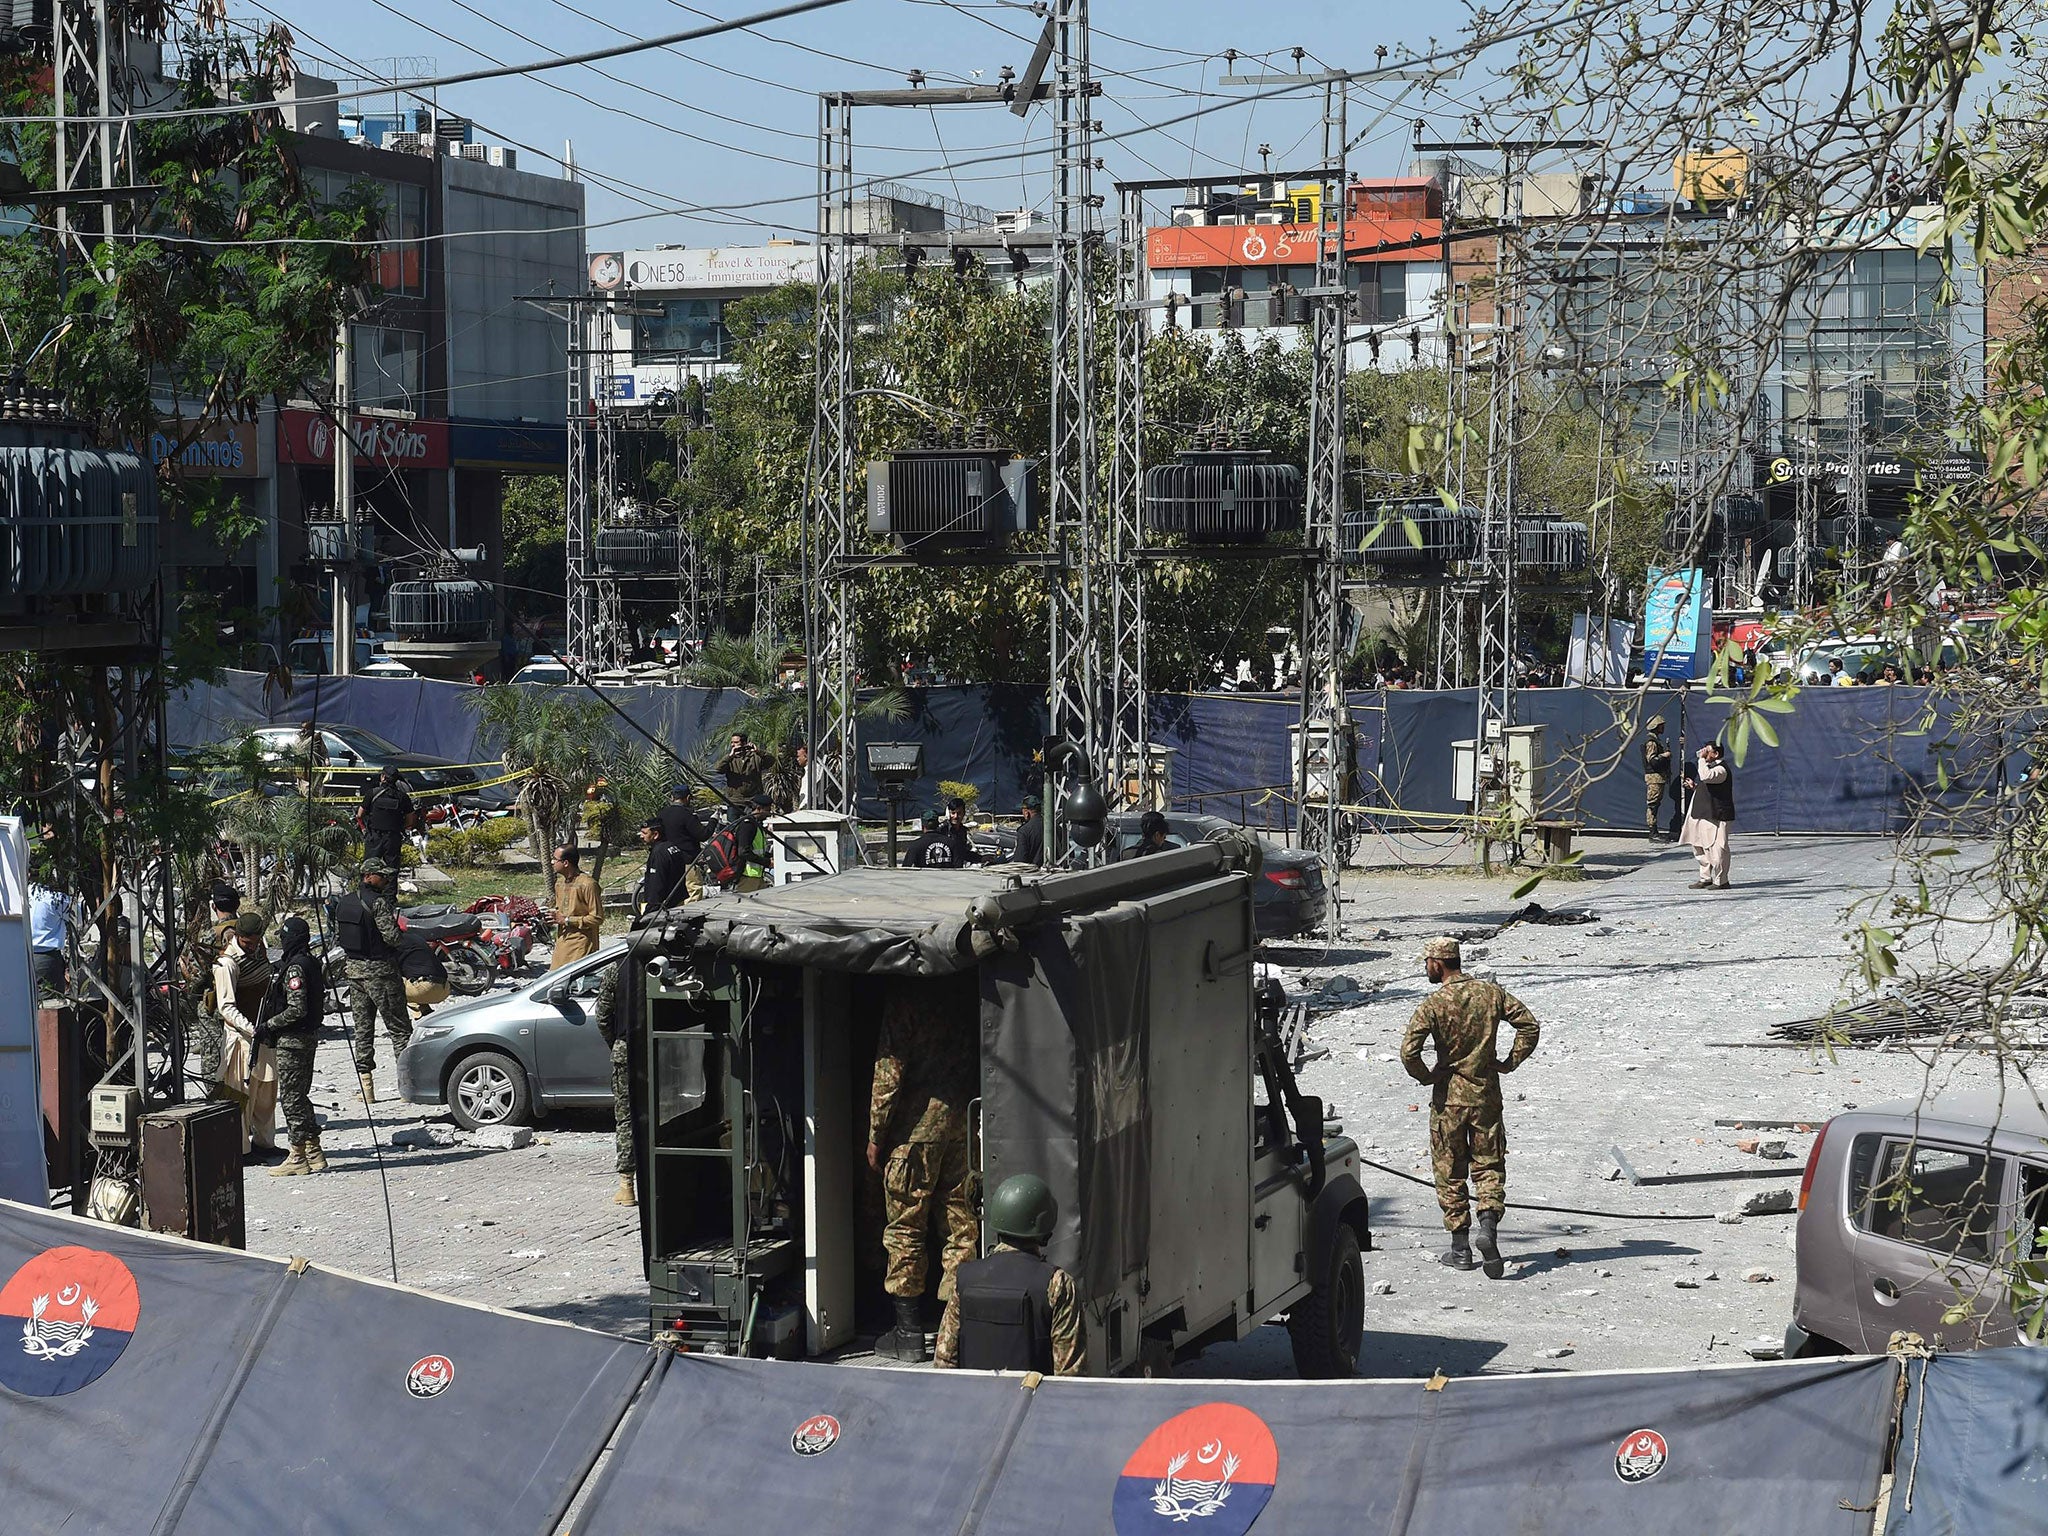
(1627, 1058)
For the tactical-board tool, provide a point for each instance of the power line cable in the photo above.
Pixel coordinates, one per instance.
(466, 77)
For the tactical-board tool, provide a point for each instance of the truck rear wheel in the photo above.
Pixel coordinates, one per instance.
(1327, 1327)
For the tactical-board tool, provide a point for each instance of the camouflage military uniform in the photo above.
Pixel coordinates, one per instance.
(1466, 1133)
(374, 987)
(294, 1033)
(927, 1071)
(1069, 1347)
(206, 1027)
(605, 1014)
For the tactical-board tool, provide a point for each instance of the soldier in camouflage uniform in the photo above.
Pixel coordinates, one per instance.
(201, 952)
(1017, 1312)
(1466, 1133)
(927, 1071)
(289, 1022)
(374, 984)
(621, 1042)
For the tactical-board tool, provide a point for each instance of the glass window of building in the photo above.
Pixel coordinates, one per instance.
(690, 329)
(401, 260)
(386, 368)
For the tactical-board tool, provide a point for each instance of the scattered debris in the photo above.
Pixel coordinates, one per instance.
(529, 1253)
(1383, 1288)
(1746, 1144)
(1554, 1354)
(1758, 1276)
(1753, 1123)
(1621, 1161)
(1686, 1284)
(1773, 1149)
(1765, 1349)
(1971, 1002)
(501, 1138)
(1770, 1202)
(425, 1136)
(1729, 1218)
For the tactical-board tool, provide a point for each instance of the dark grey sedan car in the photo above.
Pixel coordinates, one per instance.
(502, 1058)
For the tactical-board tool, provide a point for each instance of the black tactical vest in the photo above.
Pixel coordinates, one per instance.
(1005, 1317)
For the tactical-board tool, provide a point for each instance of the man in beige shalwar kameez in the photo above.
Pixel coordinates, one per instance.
(248, 1072)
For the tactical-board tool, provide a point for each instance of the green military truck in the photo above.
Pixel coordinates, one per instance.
(1126, 1058)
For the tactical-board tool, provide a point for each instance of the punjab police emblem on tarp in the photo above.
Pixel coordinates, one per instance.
(815, 1436)
(76, 1309)
(1211, 1469)
(430, 1376)
(1641, 1456)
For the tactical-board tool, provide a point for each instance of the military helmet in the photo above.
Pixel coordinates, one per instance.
(375, 866)
(1024, 1208)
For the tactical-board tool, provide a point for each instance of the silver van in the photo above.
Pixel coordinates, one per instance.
(1917, 1216)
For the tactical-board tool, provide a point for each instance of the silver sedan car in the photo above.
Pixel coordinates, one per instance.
(502, 1058)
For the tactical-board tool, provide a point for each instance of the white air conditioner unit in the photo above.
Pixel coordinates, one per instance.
(1269, 218)
(1187, 216)
(504, 156)
(472, 151)
(1013, 221)
(1228, 218)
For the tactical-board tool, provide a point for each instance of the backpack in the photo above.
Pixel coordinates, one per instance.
(723, 857)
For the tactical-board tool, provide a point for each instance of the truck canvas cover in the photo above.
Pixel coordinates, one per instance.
(1064, 1011)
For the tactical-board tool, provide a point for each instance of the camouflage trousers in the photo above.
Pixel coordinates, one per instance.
(294, 1055)
(206, 1033)
(374, 987)
(1468, 1141)
(1654, 785)
(922, 1180)
(622, 1104)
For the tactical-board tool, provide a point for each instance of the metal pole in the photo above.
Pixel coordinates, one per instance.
(342, 623)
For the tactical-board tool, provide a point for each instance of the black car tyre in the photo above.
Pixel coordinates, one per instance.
(1327, 1327)
(489, 1088)
(466, 977)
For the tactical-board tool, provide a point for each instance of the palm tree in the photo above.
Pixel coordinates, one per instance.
(727, 661)
(561, 743)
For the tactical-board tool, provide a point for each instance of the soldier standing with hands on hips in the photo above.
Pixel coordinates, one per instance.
(1467, 1135)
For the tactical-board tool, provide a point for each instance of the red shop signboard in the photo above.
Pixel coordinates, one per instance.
(382, 442)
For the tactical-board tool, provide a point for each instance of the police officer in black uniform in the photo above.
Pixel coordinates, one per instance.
(386, 812)
(944, 844)
(1030, 833)
(663, 882)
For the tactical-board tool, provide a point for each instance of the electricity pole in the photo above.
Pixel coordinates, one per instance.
(341, 621)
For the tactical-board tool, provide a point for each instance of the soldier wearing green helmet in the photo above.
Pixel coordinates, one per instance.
(1015, 1310)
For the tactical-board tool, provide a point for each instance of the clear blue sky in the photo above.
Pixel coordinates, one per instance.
(733, 126)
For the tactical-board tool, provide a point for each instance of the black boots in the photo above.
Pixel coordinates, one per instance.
(1488, 1246)
(905, 1341)
(1460, 1255)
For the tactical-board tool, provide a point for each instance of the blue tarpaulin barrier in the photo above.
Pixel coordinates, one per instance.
(1739, 1450)
(1848, 759)
(1973, 1446)
(152, 1385)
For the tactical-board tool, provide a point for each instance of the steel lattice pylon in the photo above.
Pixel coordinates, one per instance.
(608, 646)
(831, 642)
(1074, 704)
(1127, 725)
(581, 618)
(1496, 597)
(1323, 753)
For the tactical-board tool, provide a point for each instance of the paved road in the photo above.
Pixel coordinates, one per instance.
(1630, 1004)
